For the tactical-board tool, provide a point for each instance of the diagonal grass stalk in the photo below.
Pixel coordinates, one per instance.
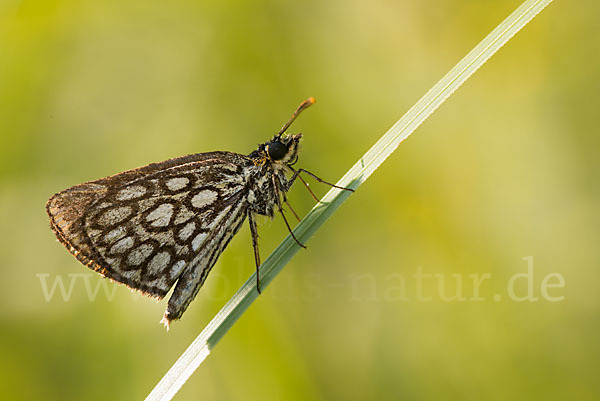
(191, 359)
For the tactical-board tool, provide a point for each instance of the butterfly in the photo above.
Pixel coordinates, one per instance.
(165, 224)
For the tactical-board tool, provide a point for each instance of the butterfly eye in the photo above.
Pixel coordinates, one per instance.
(277, 150)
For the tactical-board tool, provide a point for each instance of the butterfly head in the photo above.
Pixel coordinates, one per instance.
(283, 148)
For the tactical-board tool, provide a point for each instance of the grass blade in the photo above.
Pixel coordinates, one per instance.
(372, 159)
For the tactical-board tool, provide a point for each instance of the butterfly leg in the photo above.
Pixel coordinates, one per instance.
(278, 198)
(290, 206)
(297, 175)
(254, 233)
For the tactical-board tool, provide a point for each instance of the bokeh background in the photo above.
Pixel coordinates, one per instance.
(506, 169)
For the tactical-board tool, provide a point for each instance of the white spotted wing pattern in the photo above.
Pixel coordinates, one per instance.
(157, 225)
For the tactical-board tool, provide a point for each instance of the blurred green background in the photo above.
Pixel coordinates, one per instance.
(506, 169)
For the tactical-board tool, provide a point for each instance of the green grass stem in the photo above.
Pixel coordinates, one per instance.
(197, 352)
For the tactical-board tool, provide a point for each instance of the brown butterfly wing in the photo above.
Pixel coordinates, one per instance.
(142, 227)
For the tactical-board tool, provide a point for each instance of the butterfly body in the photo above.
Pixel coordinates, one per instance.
(165, 224)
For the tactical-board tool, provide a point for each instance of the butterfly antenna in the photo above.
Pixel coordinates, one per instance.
(304, 105)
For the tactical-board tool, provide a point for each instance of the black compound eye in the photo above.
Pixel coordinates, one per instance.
(277, 150)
